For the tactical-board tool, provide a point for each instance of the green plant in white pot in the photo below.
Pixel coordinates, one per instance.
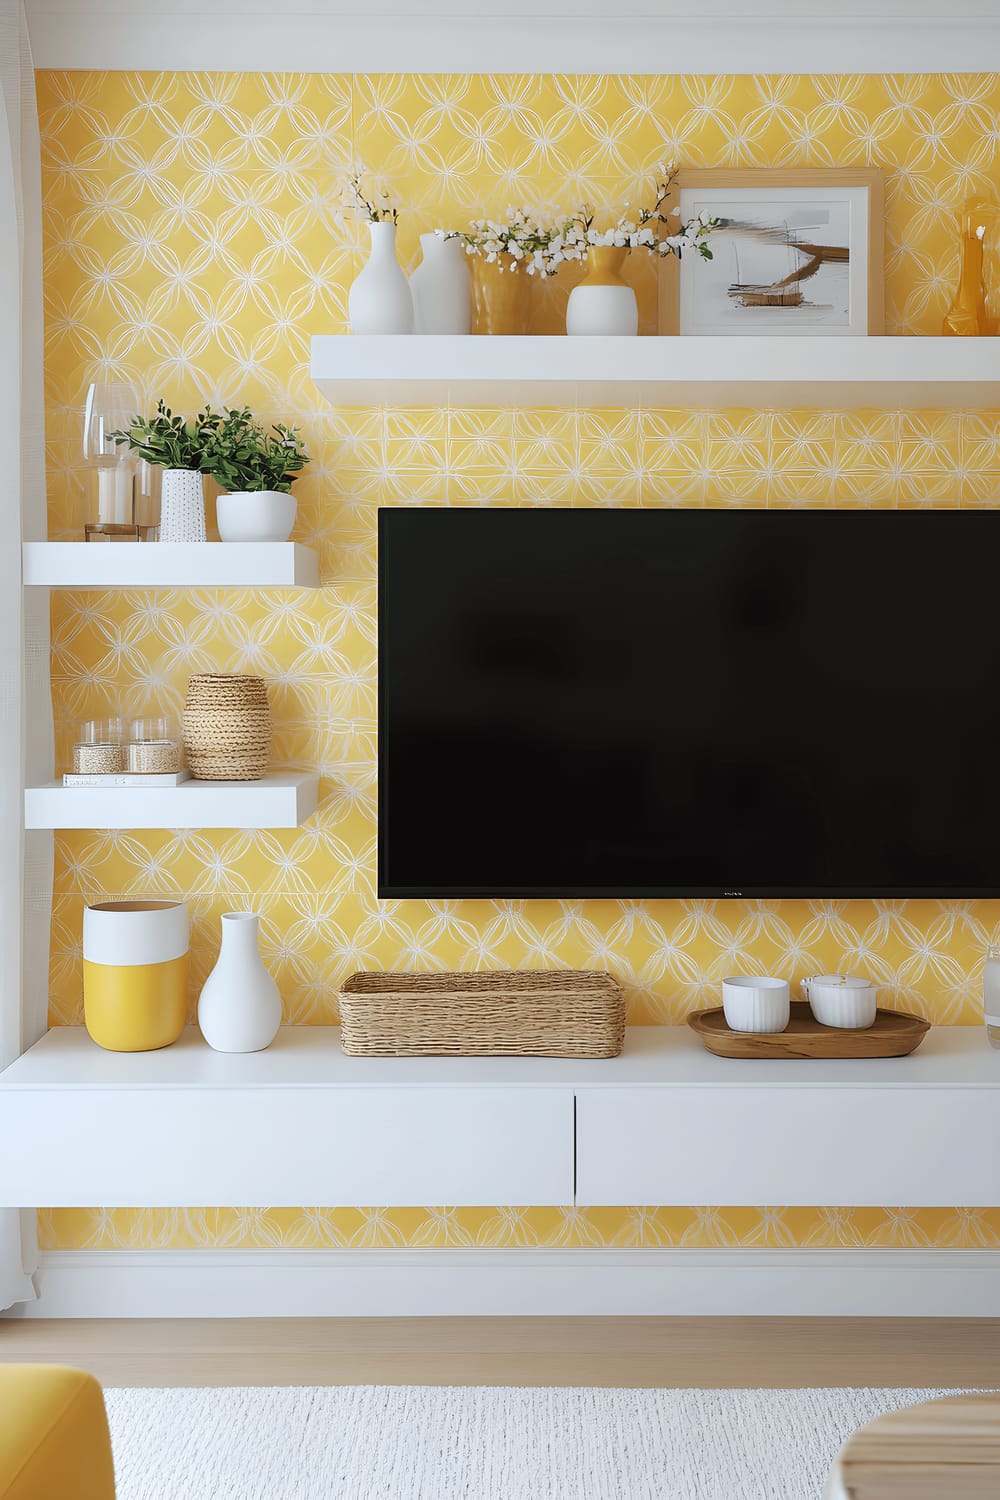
(257, 466)
(179, 448)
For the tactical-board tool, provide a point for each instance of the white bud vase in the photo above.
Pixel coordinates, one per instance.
(441, 287)
(182, 506)
(380, 301)
(240, 1007)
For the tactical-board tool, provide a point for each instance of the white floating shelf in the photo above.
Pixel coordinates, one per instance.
(282, 799)
(130, 565)
(774, 371)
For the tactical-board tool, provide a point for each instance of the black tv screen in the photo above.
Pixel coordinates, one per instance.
(671, 702)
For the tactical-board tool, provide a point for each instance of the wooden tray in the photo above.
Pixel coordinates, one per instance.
(894, 1034)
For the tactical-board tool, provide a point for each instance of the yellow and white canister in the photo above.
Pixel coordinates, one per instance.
(135, 956)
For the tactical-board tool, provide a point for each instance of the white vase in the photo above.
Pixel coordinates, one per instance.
(240, 1008)
(182, 506)
(255, 516)
(603, 305)
(441, 287)
(380, 301)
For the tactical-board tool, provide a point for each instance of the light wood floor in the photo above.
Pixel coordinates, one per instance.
(701, 1352)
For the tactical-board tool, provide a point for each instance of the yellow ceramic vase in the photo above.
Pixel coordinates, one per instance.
(603, 305)
(135, 956)
(501, 296)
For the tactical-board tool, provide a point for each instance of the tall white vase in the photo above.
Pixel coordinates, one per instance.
(441, 288)
(240, 1008)
(182, 506)
(380, 301)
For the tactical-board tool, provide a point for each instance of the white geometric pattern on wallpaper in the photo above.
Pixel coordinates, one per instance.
(191, 246)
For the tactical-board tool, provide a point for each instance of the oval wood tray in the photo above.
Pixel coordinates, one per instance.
(894, 1034)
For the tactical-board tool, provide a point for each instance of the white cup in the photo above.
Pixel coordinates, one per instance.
(841, 1000)
(752, 1004)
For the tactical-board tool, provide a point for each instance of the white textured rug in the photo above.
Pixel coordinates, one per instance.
(483, 1443)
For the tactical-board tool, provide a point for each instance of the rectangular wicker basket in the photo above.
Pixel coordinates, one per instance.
(512, 1013)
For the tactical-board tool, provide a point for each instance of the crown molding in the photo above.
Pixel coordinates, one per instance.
(233, 39)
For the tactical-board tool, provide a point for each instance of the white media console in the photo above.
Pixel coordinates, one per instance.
(666, 1123)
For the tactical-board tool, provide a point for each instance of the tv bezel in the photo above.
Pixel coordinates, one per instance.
(387, 890)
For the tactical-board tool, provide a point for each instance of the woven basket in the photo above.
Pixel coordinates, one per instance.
(515, 1013)
(227, 727)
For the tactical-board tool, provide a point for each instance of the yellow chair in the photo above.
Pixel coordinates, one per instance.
(54, 1439)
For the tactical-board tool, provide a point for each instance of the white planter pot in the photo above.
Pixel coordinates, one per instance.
(441, 288)
(240, 1007)
(380, 301)
(182, 506)
(255, 516)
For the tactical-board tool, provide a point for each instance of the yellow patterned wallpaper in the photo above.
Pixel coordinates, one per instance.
(190, 247)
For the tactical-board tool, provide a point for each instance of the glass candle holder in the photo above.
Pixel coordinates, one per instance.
(99, 748)
(153, 747)
(111, 407)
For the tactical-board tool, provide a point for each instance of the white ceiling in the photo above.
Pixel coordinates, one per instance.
(643, 36)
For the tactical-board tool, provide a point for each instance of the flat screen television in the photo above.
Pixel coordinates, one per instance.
(679, 702)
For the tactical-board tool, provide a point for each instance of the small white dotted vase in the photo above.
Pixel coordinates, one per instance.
(182, 506)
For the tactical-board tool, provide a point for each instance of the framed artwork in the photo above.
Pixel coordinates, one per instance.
(797, 252)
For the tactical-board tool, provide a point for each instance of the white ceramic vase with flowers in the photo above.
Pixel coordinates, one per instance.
(604, 303)
(379, 300)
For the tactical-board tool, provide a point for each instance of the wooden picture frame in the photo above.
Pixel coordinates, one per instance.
(856, 200)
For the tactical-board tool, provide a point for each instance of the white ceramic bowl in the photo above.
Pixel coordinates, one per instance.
(841, 1000)
(752, 1004)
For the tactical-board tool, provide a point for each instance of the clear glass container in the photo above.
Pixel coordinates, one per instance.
(99, 748)
(111, 406)
(153, 747)
(991, 995)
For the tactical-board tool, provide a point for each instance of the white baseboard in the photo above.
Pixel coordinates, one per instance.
(448, 1283)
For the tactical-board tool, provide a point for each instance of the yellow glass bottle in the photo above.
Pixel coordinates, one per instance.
(966, 317)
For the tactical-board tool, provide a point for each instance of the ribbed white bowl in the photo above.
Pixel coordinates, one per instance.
(841, 1000)
(752, 1004)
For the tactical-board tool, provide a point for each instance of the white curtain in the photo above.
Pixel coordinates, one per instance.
(25, 702)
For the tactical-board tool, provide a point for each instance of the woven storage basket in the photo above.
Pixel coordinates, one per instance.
(516, 1013)
(227, 727)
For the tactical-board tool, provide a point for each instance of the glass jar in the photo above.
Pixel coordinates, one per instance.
(991, 995)
(153, 747)
(111, 407)
(99, 748)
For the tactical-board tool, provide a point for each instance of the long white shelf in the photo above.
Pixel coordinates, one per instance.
(281, 799)
(665, 1123)
(130, 565)
(439, 370)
